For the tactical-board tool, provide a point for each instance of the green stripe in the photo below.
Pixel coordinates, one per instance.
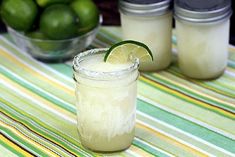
(188, 92)
(35, 136)
(187, 126)
(152, 151)
(31, 61)
(39, 122)
(208, 85)
(45, 133)
(31, 125)
(231, 64)
(225, 78)
(63, 69)
(110, 36)
(189, 101)
(39, 93)
(11, 149)
(34, 79)
(25, 144)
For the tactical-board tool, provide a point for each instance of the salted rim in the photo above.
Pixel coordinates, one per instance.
(101, 75)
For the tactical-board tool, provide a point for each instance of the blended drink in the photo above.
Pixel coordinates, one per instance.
(106, 101)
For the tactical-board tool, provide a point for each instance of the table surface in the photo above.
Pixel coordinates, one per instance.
(176, 116)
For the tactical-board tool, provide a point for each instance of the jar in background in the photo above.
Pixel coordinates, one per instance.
(202, 28)
(149, 22)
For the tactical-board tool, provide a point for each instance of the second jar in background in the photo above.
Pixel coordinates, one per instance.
(202, 28)
(151, 23)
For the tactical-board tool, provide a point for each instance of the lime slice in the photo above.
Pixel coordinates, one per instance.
(125, 51)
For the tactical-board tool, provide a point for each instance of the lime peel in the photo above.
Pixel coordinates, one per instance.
(122, 51)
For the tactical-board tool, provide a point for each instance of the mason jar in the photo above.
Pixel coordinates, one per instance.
(202, 29)
(106, 102)
(151, 23)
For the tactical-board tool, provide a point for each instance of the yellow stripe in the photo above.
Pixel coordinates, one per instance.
(25, 138)
(14, 146)
(171, 141)
(38, 98)
(187, 98)
(139, 151)
(27, 69)
(231, 49)
(231, 70)
(191, 89)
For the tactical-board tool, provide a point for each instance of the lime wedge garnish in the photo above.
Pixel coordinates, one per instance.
(125, 51)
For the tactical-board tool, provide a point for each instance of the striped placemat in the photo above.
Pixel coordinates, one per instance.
(176, 116)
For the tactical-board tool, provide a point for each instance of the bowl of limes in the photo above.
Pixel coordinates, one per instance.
(51, 30)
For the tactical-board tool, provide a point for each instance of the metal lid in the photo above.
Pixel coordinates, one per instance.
(202, 11)
(144, 7)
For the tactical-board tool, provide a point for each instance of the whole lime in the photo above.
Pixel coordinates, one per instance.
(41, 41)
(36, 35)
(19, 14)
(45, 3)
(59, 22)
(87, 13)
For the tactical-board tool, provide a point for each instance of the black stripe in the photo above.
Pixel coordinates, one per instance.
(40, 136)
(17, 144)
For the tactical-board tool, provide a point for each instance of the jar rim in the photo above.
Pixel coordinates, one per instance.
(197, 16)
(91, 74)
(134, 9)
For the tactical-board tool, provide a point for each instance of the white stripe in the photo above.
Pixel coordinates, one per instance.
(18, 142)
(31, 135)
(35, 69)
(36, 61)
(40, 89)
(110, 38)
(155, 148)
(67, 78)
(230, 73)
(38, 102)
(173, 137)
(222, 132)
(132, 153)
(195, 121)
(198, 92)
(173, 128)
(42, 128)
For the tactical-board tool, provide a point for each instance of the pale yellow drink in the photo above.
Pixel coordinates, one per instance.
(106, 102)
(203, 49)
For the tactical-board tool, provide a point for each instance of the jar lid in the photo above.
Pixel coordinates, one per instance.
(144, 8)
(202, 11)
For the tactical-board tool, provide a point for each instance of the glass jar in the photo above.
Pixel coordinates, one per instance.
(106, 102)
(151, 23)
(202, 28)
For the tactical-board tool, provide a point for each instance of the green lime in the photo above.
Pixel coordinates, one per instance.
(87, 13)
(59, 22)
(43, 43)
(19, 14)
(45, 3)
(36, 35)
(124, 51)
